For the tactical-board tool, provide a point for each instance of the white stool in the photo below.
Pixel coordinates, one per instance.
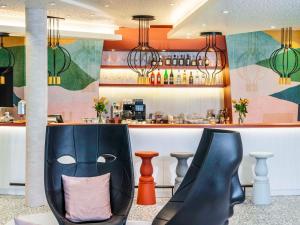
(261, 186)
(182, 166)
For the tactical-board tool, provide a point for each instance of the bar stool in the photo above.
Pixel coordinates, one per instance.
(261, 186)
(182, 166)
(146, 189)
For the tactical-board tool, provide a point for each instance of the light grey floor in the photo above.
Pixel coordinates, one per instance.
(282, 211)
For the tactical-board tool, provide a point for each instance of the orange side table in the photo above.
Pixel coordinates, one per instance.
(146, 189)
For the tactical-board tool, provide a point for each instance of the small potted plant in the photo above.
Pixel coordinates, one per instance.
(240, 107)
(100, 107)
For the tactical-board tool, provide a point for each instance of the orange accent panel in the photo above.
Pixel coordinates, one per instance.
(158, 39)
(146, 189)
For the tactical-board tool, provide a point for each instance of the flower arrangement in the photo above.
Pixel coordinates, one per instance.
(100, 107)
(240, 107)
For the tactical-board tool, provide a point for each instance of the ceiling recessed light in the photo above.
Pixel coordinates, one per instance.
(163, 50)
(172, 4)
(106, 6)
(272, 27)
(225, 11)
(52, 3)
(68, 16)
(3, 6)
(203, 24)
(92, 14)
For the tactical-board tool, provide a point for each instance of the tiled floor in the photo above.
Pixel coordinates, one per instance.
(282, 211)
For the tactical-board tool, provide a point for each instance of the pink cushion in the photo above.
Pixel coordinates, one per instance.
(87, 198)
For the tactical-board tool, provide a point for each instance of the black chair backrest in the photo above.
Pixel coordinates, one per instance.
(87, 145)
(211, 186)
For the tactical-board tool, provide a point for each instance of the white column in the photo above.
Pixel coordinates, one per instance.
(37, 100)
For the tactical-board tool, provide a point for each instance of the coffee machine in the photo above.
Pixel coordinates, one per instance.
(134, 110)
(139, 110)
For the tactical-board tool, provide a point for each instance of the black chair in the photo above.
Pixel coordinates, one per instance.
(86, 143)
(211, 186)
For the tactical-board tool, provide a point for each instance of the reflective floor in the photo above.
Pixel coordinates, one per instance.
(282, 211)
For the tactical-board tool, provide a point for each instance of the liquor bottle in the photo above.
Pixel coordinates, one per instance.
(181, 60)
(206, 61)
(197, 78)
(174, 61)
(166, 78)
(160, 62)
(184, 80)
(158, 78)
(152, 78)
(191, 78)
(139, 79)
(168, 61)
(148, 79)
(178, 78)
(171, 80)
(194, 62)
(200, 61)
(153, 62)
(188, 60)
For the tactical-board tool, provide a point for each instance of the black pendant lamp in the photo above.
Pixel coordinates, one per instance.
(285, 60)
(211, 60)
(143, 59)
(8, 58)
(59, 58)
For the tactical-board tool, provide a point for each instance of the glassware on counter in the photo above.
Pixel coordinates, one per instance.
(6, 118)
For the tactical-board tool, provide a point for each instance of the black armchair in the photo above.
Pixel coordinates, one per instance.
(211, 186)
(86, 143)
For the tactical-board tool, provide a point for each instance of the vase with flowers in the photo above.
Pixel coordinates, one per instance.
(240, 107)
(100, 107)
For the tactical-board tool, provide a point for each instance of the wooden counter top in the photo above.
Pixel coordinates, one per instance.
(249, 125)
(12, 124)
(253, 125)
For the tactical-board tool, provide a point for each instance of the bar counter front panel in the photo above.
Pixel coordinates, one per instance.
(281, 139)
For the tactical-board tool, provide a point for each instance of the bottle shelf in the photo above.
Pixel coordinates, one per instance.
(163, 85)
(160, 67)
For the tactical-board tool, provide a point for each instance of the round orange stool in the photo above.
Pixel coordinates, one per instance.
(146, 189)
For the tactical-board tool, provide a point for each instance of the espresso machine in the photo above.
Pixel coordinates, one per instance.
(134, 110)
(139, 110)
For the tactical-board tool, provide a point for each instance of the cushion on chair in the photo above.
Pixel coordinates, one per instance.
(87, 198)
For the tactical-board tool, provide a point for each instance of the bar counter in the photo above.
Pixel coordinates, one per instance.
(219, 126)
(280, 139)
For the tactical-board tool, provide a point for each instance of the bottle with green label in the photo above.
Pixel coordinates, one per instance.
(166, 77)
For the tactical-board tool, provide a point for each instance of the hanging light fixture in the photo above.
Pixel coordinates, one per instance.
(143, 59)
(285, 61)
(59, 57)
(9, 56)
(211, 60)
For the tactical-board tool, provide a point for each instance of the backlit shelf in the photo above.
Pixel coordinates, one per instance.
(160, 67)
(162, 86)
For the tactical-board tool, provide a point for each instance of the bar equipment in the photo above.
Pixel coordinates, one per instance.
(139, 110)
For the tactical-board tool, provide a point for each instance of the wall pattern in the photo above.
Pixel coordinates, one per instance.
(252, 78)
(79, 83)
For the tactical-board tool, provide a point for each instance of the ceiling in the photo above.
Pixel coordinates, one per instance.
(240, 16)
(188, 17)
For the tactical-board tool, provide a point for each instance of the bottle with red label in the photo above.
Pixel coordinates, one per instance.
(152, 78)
(158, 78)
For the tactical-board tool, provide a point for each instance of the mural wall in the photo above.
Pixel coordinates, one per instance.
(252, 78)
(74, 98)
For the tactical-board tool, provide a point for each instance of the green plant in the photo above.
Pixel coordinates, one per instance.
(100, 105)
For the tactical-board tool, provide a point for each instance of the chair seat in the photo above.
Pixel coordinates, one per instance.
(167, 213)
(49, 219)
